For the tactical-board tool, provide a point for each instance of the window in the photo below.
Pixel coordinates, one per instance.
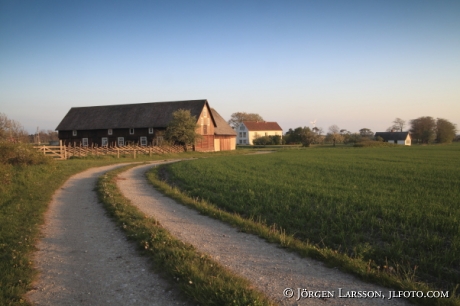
(150, 130)
(241, 127)
(244, 134)
(241, 141)
(105, 141)
(84, 142)
(110, 131)
(241, 134)
(121, 141)
(74, 133)
(143, 141)
(244, 141)
(131, 131)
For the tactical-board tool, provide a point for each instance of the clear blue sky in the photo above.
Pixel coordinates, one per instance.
(351, 63)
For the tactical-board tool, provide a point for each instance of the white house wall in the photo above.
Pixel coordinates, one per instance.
(247, 137)
(254, 135)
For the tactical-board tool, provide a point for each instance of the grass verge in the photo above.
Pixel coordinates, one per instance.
(200, 278)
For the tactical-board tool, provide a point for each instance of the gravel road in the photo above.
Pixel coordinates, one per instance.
(83, 259)
(268, 267)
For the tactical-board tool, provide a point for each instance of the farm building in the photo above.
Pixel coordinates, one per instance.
(142, 124)
(247, 131)
(402, 138)
(224, 135)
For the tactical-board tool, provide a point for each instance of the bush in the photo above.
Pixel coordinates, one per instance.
(373, 143)
(21, 154)
(6, 175)
(268, 140)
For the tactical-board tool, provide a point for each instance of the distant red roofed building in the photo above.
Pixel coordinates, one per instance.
(247, 131)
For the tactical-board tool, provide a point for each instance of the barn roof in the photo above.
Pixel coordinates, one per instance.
(222, 127)
(392, 135)
(262, 126)
(140, 115)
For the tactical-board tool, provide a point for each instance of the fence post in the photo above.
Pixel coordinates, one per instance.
(118, 153)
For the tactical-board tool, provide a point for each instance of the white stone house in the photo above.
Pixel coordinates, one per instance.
(401, 138)
(247, 131)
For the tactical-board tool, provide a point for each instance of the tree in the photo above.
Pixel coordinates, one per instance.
(239, 117)
(11, 130)
(423, 129)
(399, 124)
(43, 136)
(334, 135)
(352, 138)
(308, 137)
(182, 128)
(365, 132)
(293, 136)
(445, 131)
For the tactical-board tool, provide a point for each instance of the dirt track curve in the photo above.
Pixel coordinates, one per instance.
(83, 259)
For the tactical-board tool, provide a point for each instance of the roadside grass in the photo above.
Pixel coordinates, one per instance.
(25, 191)
(389, 215)
(200, 279)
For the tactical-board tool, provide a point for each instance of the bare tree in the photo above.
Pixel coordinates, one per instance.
(11, 130)
(399, 124)
(334, 135)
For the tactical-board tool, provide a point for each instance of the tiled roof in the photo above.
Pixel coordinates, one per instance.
(262, 126)
(140, 115)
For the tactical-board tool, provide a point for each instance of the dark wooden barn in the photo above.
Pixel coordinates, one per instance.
(141, 124)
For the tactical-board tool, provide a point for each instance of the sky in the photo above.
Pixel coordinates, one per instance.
(355, 64)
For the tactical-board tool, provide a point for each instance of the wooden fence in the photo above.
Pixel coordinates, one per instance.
(61, 152)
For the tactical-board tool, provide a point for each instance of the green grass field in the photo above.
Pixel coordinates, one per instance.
(396, 208)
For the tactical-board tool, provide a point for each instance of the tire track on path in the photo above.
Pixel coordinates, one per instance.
(268, 267)
(84, 259)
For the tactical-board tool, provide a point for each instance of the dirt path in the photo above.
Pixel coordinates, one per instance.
(84, 259)
(268, 267)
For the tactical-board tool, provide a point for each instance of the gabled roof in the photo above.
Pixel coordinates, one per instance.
(222, 127)
(392, 135)
(262, 126)
(140, 115)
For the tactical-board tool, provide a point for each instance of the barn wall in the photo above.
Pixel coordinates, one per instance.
(205, 143)
(226, 143)
(216, 144)
(95, 136)
(205, 123)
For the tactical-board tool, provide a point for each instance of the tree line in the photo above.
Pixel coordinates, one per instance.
(422, 130)
(12, 131)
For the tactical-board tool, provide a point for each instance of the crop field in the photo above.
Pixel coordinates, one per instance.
(397, 208)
